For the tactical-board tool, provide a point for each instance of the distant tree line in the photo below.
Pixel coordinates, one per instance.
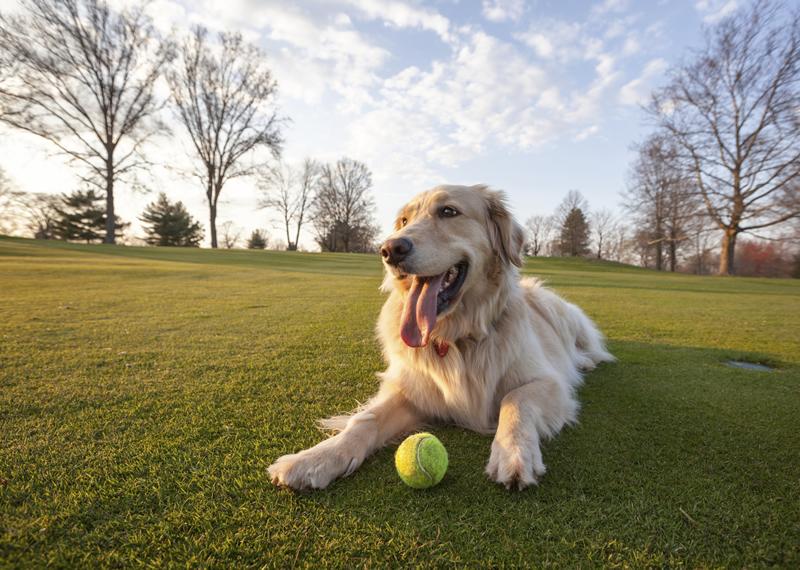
(650, 237)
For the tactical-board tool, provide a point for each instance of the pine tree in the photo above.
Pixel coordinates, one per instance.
(81, 216)
(575, 234)
(258, 240)
(170, 224)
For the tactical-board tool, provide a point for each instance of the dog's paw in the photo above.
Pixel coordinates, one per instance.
(515, 467)
(314, 468)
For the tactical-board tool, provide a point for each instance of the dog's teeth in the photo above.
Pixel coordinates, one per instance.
(449, 278)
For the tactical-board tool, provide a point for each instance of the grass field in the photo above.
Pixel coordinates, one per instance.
(143, 393)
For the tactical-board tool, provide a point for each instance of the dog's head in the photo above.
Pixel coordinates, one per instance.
(449, 243)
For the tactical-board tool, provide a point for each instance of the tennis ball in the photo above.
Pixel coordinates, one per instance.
(421, 461)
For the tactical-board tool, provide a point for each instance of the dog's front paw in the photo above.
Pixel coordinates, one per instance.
(515, 466)
(313, 468)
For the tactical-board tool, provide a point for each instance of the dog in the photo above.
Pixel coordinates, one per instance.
(466, 342)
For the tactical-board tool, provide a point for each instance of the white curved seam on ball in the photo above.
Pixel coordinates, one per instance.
(419, 462)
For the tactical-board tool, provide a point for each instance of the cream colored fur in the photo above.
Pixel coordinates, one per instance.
(517, 350)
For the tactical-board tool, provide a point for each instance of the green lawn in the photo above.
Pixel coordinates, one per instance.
(143, 393)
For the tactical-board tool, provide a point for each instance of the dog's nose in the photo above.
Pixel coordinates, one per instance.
(396, 250)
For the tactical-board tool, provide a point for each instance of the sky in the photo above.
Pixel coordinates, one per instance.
(534, 98)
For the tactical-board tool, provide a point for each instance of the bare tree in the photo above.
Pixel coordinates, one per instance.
(41, 214)
(660, 198)
(224, 96)
(602, 225)
(733, 112)
(6, 189)
(343, 209)
(308, 184)
(290, 193)
(231, 234)
(649, 181)
(641, 248)
(82, 76)
(684, 213)
(619, 243)
(10, 205)
(701, 257)
(5, 183)
(277, 187)
(540, 233)
(20, 210)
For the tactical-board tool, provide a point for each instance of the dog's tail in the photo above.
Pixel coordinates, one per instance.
(589, 340)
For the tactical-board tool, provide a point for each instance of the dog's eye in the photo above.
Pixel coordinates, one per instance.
(448, 212)
(404, 222)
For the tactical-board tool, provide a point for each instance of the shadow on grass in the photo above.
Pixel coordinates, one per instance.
(676, 458)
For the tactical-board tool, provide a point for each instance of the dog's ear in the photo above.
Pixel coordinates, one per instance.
(505, 233)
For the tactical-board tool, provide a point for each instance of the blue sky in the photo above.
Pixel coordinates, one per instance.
(536, 98)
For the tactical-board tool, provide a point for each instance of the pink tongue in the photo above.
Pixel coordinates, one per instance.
(419, 313)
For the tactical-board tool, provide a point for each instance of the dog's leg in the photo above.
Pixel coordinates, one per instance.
(383, 418)
(529, 413)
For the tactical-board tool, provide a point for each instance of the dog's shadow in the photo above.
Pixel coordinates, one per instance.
(668, 437)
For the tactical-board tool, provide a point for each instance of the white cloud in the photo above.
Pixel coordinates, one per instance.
(342, 19)
(631, 45)
(488, 93)
(555, 39)
(404, 15)
(541, 44)
(610, 6)
(502, 10)
(309, 53)
(637, 92)
(166, 14)
(615, 29)
(587, 132)
(713, 11)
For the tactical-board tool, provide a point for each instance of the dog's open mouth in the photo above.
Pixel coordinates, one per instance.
(428, 297)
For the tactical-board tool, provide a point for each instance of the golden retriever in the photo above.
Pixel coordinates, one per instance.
(466, 341)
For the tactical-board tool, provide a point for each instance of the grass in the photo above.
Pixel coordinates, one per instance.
(143, 392)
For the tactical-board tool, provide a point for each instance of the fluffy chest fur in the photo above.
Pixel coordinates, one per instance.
(466, 385)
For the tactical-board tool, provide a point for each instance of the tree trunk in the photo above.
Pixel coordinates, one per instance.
(673, 255)
(297, 235)
(726, 256)
(289, 246)
(212, 196)
(213, 224)
(659, 255)
(111, 219)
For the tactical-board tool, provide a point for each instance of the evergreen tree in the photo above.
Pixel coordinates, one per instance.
(575, 234)
(258, 240)
(360, 238)
(81, 216)
(170, 224)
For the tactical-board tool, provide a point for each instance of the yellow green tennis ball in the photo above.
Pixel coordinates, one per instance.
(421, 461)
